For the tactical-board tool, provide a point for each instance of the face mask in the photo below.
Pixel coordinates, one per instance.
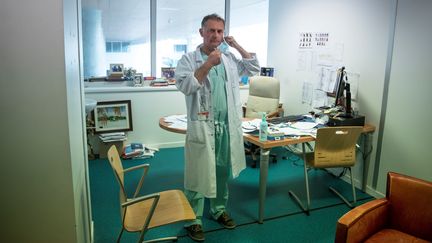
(223, 47)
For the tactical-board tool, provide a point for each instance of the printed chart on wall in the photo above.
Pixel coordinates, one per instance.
(319, 56)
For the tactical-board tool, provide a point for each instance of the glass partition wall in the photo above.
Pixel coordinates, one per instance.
(126, 31)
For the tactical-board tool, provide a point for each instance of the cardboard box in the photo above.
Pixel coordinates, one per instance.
(103, 148)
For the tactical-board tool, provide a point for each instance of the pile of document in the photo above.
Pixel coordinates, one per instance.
(292, 129)
(159, 82)
(137, 151)
(113, 137)
(177, 121)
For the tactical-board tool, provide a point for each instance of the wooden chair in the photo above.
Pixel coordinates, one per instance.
(334, 147)
(263, 96)
(141, 213)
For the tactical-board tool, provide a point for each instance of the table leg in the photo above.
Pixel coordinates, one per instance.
(264, 158)
(367, 151)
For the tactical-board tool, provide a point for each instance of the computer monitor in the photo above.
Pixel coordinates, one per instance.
(340, 86)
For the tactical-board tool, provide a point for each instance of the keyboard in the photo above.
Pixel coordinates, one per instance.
(285, 119)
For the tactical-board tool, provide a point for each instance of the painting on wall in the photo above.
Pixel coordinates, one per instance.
(113, 116)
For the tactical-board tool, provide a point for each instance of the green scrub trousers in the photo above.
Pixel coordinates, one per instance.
(222, 150)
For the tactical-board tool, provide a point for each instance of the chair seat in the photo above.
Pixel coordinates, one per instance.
(172, 207)
(391, 235)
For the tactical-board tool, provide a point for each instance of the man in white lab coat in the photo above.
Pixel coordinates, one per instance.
(209, 77)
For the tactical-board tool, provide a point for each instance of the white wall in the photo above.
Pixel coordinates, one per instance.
(365, 29)
(44, 192)
(406, 140)
(361, 26)
(147, 107)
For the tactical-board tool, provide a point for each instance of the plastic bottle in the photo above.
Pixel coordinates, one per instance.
(263, 128)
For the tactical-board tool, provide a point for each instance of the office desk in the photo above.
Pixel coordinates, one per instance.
(265, 152)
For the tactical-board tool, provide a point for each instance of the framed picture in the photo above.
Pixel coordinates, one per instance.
(116, 68)
(113, 116)
(138, 79)
(168, 72)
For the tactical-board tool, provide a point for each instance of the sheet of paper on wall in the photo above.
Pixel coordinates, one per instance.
(327, 78)
(319, 99)
(353, 80)
(307, 92)
(304, 60)
(338, 52)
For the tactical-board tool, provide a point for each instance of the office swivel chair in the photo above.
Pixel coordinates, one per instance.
(263, 97)
(141, 213)
(334, 147)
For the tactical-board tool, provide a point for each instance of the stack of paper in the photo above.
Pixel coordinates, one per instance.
(177, 121)
(137, 151)
(112, 137)
(298, 129)
(251, 126)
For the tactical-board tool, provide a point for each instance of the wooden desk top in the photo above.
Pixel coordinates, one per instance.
(368, 128)
(164, 125)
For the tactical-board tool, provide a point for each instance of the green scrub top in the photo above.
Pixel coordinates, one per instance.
(217, 78)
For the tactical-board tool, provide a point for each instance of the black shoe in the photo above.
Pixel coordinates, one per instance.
(195, 232)
(226, 221)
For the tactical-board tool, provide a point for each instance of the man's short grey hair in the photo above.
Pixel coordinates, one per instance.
(212, 17)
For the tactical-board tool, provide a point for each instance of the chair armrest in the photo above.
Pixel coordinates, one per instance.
(273, 114)
(141, 181)
(276, 113)
(142, 198)
(145, 166)
(363, 221)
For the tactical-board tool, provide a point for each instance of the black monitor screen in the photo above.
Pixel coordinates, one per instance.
(340, 85)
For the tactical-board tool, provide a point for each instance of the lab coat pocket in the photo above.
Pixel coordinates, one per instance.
(197, 167)
(196, 132)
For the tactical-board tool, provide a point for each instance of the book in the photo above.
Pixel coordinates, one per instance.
(112, 137)
(137, 151)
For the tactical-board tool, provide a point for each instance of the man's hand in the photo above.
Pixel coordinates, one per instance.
(214, 58)
(233, 43)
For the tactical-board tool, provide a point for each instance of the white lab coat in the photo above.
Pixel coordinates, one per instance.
(200, 165)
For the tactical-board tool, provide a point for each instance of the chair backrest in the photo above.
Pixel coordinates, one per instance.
(116, 165)
(410, 205)
(335, 146)
(263, 96)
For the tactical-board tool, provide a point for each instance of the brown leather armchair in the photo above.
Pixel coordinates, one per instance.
(404, 215)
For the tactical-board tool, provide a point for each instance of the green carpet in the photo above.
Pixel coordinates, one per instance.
(284, 221)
